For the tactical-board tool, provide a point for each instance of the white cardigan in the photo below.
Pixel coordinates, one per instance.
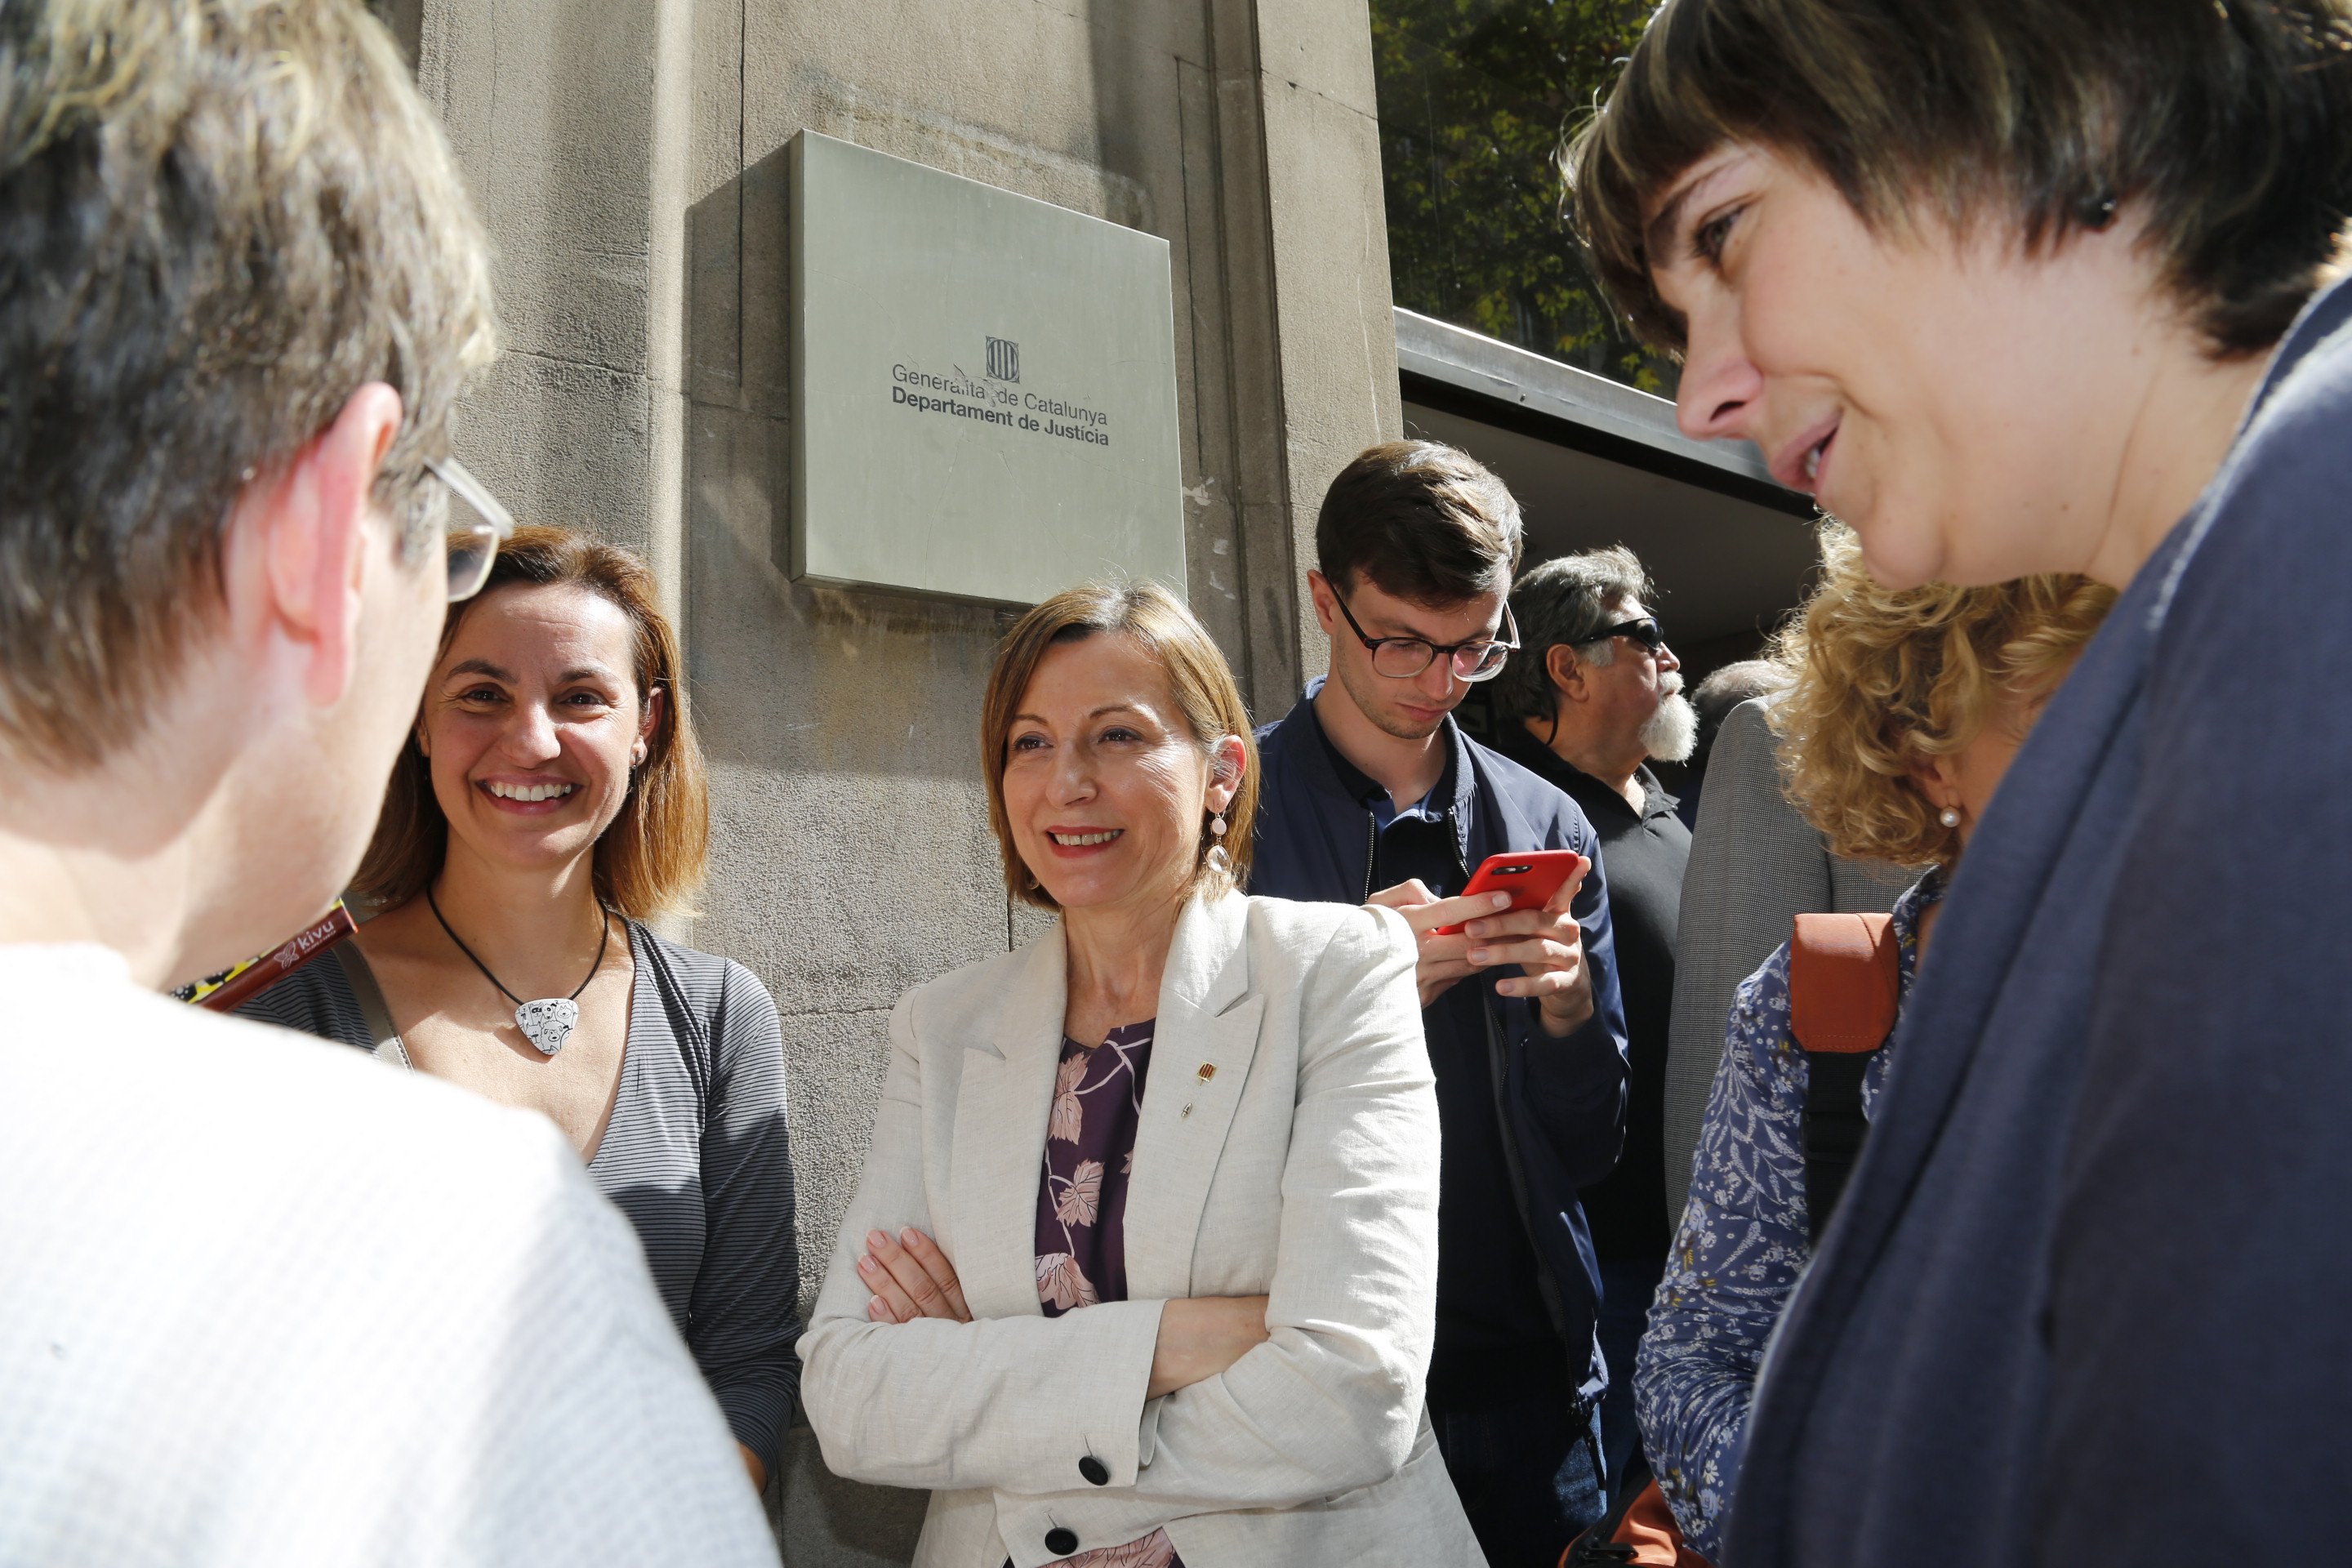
(1288, 1146)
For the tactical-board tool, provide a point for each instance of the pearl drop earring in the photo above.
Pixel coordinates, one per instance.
(1949, 816)
(1218, 859)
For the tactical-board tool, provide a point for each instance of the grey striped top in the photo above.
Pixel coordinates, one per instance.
(696, 1155)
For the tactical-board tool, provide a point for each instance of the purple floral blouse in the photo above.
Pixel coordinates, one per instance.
(1082, 1208)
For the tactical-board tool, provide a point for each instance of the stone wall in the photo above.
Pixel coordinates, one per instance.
(628, 156)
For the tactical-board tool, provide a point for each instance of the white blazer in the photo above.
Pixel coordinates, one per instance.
(1288, 1146)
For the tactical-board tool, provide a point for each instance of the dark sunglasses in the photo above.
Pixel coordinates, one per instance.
(1644, 629)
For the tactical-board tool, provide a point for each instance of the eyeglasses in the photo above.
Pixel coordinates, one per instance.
(1643, 629)
(1401, 658)
(477, 525)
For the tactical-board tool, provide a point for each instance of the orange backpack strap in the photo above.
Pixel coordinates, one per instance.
(1644, 1534)
(1845, 987)
(1845, 982)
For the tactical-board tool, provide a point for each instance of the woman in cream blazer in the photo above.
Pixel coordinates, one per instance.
(1255, 1398)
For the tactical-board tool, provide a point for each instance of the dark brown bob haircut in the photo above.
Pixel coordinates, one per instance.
(2227, 122)
(651, 858)
(1424, 522)
(1198, 677)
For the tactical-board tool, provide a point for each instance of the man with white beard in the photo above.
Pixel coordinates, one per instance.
(1594, 696)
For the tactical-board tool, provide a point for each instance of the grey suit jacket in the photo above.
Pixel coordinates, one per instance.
(1288, 1146)
(1755, 865)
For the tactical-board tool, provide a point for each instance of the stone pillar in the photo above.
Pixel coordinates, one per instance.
(628, 158)
(1333, 364)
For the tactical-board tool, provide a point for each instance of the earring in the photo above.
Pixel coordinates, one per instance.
(1949, 816)
(2097, 210)
(1218, 859)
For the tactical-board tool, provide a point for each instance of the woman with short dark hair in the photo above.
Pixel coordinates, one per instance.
(550, 801)
(2018, 287)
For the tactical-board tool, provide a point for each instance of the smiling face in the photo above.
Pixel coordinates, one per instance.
(1964, 405)
(533, 721)
(1105, 787)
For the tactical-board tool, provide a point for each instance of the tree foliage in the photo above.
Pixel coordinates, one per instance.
(1473, 98)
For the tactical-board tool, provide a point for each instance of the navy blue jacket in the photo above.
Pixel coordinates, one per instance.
(2085, 1301)
(1562, 1102)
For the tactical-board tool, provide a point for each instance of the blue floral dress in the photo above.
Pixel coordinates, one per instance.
(1743, 1244)
(1082, 1209)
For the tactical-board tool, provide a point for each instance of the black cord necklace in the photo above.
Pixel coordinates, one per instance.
(548, 1022)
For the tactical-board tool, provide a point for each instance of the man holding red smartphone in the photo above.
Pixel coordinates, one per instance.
(1372, 793)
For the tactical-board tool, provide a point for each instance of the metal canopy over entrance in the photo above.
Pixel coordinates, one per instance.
(1594, 462)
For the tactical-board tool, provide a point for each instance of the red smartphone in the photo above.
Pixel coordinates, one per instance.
(1530, 879)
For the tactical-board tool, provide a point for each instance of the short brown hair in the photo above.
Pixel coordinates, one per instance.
(1198, 677)
(1424, 522)
(651, 858)
(1879, 680)
(218, 220)
(2231, 120)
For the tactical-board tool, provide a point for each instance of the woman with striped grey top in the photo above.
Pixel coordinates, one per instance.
(550, 799)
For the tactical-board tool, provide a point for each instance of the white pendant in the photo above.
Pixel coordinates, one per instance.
(548, 1022)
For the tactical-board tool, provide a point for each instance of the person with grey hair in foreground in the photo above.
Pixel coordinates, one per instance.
(264, 1302)
(1595, 697)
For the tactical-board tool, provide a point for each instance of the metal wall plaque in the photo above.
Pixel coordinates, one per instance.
(985, 386)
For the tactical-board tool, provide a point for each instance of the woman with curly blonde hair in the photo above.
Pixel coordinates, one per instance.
(1902, 713)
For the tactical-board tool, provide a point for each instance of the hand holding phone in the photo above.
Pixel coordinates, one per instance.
(1520, 914)
(1530, 879)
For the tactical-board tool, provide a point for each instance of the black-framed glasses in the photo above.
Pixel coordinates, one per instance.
(477, 525)
(1401, 658)
(1643, 629)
